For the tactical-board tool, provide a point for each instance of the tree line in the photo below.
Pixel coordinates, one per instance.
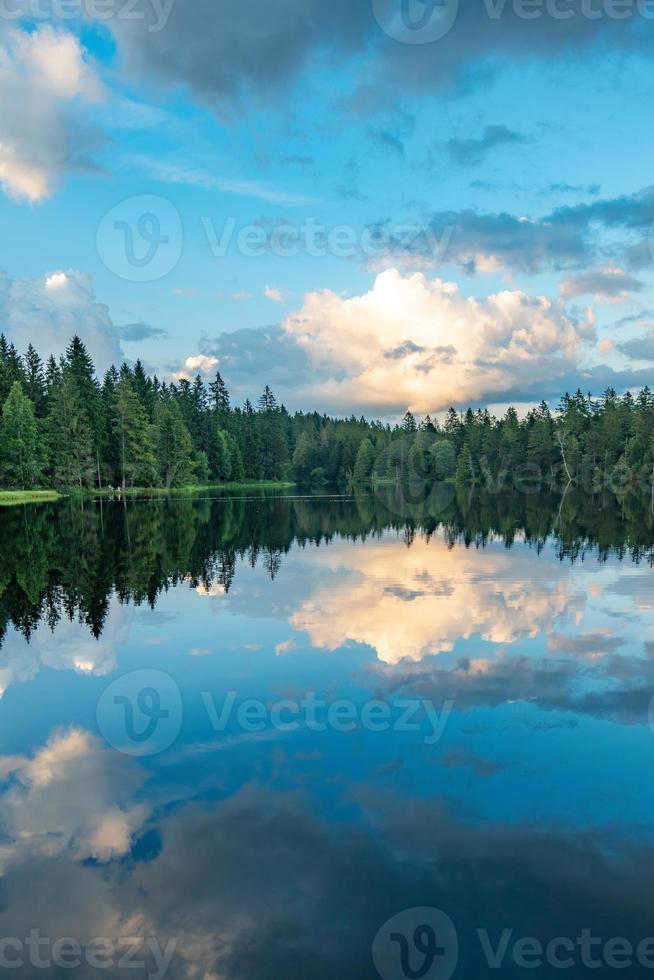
(63, 427)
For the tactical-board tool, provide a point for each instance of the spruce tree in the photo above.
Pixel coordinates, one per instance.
(22, 455)
(73, 461)
(174, 445)
(133, 435)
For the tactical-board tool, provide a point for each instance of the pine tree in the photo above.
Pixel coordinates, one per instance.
(409, 423)
(82, 374)
(273, 447)
(220, 401)
(70, 439)
(174, 445)
(144, 388)
(133, 434)
(22, 456)
(35, 386)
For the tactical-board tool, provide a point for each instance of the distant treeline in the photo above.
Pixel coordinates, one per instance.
(62, 427)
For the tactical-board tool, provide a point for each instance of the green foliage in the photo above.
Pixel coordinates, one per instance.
(365, 462)
(443, 459)
(69, 435)
(134, 437)
(174, 445)
(22, 455)
(134, 430)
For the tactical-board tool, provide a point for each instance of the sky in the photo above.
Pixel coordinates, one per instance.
(371, 205)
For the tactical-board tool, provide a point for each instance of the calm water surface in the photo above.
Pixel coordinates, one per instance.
(327, 737)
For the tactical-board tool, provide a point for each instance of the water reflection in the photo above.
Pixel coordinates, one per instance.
(282, 853)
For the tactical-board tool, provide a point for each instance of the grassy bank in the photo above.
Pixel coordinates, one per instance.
(193, 488)
(13, 498)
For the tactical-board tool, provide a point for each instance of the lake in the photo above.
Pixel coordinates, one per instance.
(403, 734)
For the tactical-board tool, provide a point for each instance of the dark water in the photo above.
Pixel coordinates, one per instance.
(291, 737)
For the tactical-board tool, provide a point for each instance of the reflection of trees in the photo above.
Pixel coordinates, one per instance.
(67, 559)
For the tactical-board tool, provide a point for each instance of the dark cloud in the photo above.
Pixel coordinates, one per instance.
(639, 348)
(566, 238)
(259, 886)
(472, 239)
(133, 332)
(226, 53)
(255, 356)
(388, 139)
(562, 187)
(626, 321)
(467, 152)
(610, 283)
(585, 644)
(623, 691)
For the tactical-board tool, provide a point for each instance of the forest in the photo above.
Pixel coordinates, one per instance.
(62, 427)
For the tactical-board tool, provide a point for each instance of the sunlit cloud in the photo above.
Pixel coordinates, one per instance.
(411, 341)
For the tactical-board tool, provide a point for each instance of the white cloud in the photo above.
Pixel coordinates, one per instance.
(45, 74)
(415, 342)
(72, 795)
(47, 312)
(198, 364)
(409, 603)
(274, 294)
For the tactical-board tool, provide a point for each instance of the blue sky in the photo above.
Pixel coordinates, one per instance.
(293, 193)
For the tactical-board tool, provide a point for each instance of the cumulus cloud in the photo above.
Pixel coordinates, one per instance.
(387, 598)
(198, 364)
(45, 73)
(47, 312)
(71, 794)
(419, 342)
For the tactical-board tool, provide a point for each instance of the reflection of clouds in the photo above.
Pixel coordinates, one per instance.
(70, 796)
(412, 602)
(68, 647)
(257, 886)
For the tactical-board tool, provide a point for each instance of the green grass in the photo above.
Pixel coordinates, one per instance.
(192, 488)
(14, 498)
